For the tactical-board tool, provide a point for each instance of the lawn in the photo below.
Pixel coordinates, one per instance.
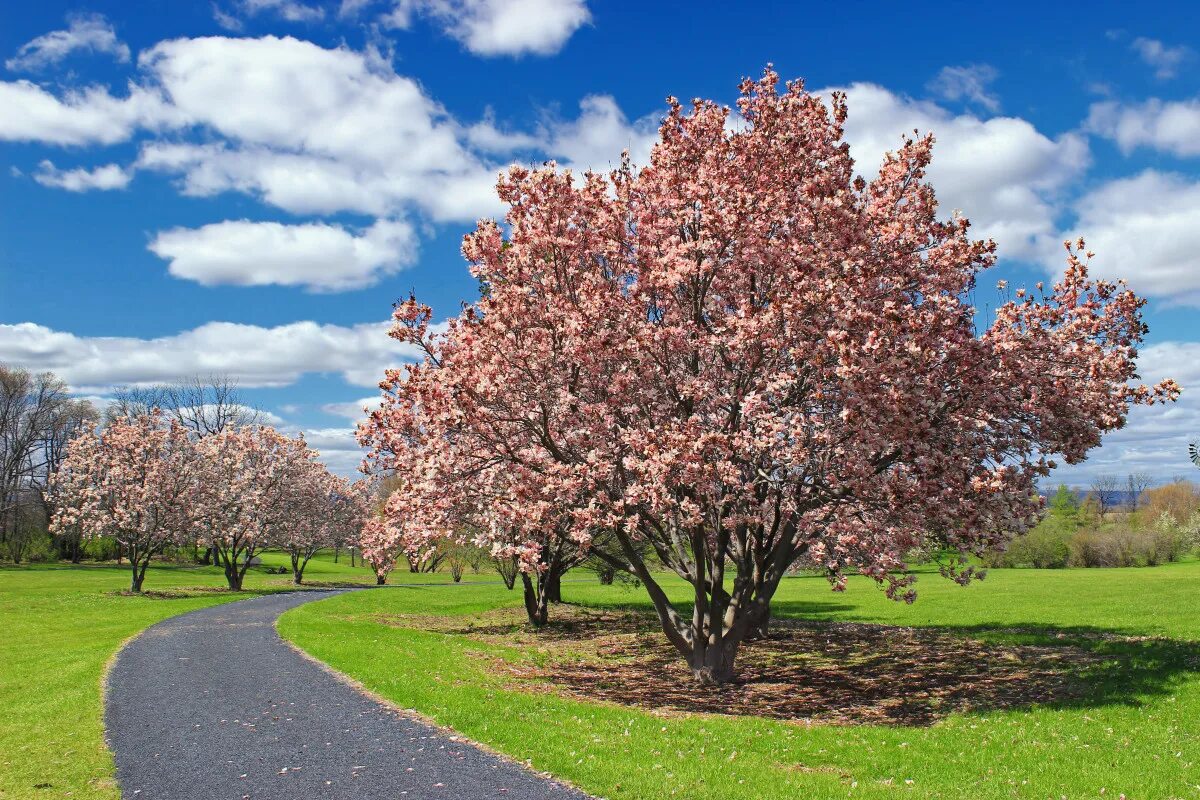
(1132, 637)
(61, 624)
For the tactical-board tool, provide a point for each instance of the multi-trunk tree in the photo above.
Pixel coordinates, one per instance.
(743, 355)
(135, 481)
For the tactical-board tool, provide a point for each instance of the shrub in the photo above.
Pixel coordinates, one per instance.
(1126, 547)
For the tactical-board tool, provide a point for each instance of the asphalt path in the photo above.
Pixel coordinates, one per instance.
(213, 705)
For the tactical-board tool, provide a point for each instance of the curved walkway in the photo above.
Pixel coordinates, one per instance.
(212, 705)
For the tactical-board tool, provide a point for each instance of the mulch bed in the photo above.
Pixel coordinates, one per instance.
(806, 672)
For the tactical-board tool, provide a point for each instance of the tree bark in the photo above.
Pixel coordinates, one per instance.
(536, 606)
(380, 580)
(553, 586)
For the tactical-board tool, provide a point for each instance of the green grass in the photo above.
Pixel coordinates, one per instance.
(1135, 732)
(59, 625)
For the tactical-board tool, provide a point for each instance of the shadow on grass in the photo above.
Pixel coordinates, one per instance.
(836, 672)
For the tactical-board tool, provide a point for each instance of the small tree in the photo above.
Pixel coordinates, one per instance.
(135, 481)
(1104, 492)
(380, 547)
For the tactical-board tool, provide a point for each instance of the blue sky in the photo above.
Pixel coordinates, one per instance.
(245, 186)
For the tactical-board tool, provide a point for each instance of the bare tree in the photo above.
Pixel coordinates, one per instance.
(1136, 485)
(203, 405)
(1104, 490)
(37, 419)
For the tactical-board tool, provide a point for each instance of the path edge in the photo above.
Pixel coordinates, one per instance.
(417, 716)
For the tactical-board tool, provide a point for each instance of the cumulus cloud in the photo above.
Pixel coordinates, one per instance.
(359, 138)
(1155, 439)
(353, 410)
(969, 83)
(87, 32)
(104, 178)
(496, 27)
(288, 10)
(1144, 228)
(596, 138)
(1002, 173)
(253, 355)
(316, 256)
(1172, 127)
(337, 447)
(1165, 60)
(87, 116)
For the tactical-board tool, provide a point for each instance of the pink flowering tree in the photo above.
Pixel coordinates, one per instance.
(135, 480)
(324, 509)
(380, 547)
(246, 498)
(743, 355)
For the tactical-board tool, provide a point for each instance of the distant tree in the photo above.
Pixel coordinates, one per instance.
(37, 419)
(380, 547)
(134, 481)
(244, 494)
(1179, 500)
(322, 509)
(203, 405)
(1104, 490)
(1135, 485)
(1064, 506)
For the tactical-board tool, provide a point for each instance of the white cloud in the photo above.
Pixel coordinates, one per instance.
(1166, 60)
(1002, 173)
(317, 256)
(337, 447)
(354, 410)
(359, 137)
(104, 178)
(90, 32)
(1146, 229)
(596, 138)
(499, 27)
(1173, 127)
(968, 83)
(1155, 439)
(252, 355)
(288, 10)
(87, 116)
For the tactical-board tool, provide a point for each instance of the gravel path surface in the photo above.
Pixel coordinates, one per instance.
(212, 705)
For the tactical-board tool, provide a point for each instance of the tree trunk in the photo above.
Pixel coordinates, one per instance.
(553, 586)
(536, 606)
(713, 666)
(297, 569)
(607, 575)
(380, 580)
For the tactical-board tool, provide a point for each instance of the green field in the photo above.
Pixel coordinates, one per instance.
(1133, 732)
(59, 626)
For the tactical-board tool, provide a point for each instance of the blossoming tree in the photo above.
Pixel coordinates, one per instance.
(245, 495)
(134, 481)
(321, 510)
(380, 547)
(744, 354)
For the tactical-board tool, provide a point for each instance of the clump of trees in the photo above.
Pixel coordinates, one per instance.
(149, 482)
(740, 356)
(1161, 525)
(38, 417)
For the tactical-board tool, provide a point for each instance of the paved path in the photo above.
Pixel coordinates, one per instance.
(212, 705)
